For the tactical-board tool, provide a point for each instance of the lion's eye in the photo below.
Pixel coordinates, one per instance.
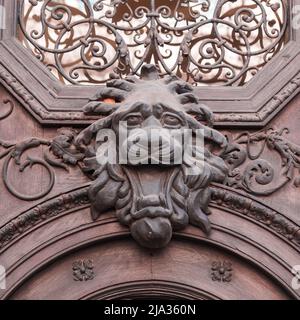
(171, 121)
(134, 120)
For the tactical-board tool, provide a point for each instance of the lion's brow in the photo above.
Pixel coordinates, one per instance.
(146, 109)
(140, 106)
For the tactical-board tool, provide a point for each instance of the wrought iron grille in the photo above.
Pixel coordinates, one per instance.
(205, 42)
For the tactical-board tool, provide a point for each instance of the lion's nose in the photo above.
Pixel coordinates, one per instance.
(152, 122)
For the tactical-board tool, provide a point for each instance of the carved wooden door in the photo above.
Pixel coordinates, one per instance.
(89, 209)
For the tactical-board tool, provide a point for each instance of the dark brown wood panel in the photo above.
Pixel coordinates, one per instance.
(121, 263)
(71, 229)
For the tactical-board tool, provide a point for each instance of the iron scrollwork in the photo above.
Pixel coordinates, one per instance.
(203, 42)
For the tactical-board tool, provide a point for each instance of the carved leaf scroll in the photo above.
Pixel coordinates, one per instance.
(60, 152)
(258, 177)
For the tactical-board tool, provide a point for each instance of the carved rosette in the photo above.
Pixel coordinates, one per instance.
(221, 271)
(83, 270)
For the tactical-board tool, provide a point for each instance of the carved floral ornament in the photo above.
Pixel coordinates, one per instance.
(83, 270)
(156, 199)
(221, 271)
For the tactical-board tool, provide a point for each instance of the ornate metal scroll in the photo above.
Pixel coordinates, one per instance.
(201, 41)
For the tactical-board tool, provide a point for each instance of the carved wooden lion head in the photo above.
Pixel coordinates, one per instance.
(155, 198)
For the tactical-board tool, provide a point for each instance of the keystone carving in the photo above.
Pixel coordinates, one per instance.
(155, 199)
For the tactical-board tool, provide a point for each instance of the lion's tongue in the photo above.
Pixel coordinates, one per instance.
(150, 186)
(151, 226)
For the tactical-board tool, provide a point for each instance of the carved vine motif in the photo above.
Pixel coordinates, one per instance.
(60, 153)
(221, 271)
(196, 40)
(152, 201)
(83, 270)
(8, 110)
(258, 177)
